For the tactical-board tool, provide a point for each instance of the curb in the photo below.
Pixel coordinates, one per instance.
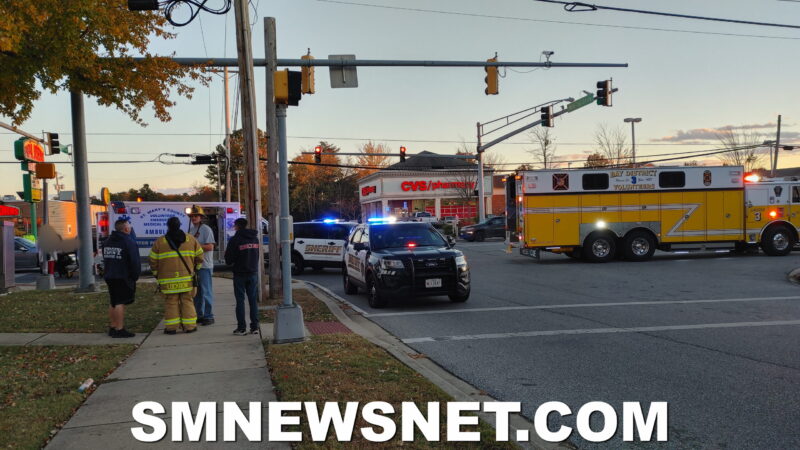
(459, 389)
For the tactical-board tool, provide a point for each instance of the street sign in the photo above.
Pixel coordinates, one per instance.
(343, 76)
(32, 189)
(581, 102)
(28, 150)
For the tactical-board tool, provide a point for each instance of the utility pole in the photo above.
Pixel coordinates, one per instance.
(249, 126)
(481, 187)
(275, 205)
(85, 259)
(227, 141)
(289, 316)
(777, 147)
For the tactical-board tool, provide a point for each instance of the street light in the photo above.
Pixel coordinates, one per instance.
(633, 120)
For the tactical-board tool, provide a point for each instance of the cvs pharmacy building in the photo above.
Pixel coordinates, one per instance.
(439, 184)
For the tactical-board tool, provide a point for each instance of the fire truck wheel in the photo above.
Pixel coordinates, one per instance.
(375, 297)
(639, 246)
(777, 241)
(349, 287)
(297, 264)
(599, 247)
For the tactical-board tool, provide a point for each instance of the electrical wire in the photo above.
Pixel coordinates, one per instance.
(195, 6)
(582, 7)
(561, 22)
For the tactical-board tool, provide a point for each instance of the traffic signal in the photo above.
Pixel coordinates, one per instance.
(287, 87)
(307, 82)
(402, 154)
(547, 116)
(142, 5)
(52, 143)
(604, 93)
(318, 154)
(492, 86)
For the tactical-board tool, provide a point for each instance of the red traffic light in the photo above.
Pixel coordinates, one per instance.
(318, 154)
(402, 154)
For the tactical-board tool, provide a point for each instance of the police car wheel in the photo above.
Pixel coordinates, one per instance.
(777, 241)
(297, 264)
(599, 248)
(375, 297)
(349, 287)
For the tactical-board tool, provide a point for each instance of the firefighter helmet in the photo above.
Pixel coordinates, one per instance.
(195, 211)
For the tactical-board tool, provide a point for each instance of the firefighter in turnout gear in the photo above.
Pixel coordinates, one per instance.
(175, 273)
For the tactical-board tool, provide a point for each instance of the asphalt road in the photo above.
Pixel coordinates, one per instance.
(714, 335)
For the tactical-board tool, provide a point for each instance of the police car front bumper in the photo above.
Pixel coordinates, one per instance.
(411, 283)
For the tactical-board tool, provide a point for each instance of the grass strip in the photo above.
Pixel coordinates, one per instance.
(347, 367)
(313, 309)
(65, 311)
(39, 392)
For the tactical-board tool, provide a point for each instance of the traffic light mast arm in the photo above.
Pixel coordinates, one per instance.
(23, 133)
(484, 147)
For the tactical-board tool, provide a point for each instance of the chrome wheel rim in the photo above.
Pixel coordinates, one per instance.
(640, 246)
(780, 241)
(601, 248)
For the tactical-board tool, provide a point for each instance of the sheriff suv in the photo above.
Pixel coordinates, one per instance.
(402, 260)
(319, 244)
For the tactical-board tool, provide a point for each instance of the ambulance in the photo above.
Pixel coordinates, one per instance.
(600, 214)
(149, 221)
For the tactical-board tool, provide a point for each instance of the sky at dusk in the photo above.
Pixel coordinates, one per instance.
(686, 79)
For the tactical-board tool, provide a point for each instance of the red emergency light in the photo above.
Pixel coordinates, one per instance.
(229, 210)
(411, 244)
(752, 178)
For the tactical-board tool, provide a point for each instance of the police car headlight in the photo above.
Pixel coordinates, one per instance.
(461, 261)
(391, 264)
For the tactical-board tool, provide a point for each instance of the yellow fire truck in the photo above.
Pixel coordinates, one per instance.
(599, 214)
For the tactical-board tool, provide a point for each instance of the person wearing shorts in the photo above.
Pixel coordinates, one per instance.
(122, 268)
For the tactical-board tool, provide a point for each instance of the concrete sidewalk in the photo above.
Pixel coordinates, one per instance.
(211, 365)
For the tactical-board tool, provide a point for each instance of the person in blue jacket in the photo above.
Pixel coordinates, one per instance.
(122, 268)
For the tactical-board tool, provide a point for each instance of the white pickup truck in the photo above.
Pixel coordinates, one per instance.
(423, 216)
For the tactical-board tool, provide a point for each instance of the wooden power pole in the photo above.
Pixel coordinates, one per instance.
(249, 127)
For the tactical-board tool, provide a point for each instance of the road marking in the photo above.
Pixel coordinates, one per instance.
(581, 305)
(702, 326)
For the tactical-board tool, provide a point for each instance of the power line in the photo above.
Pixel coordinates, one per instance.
(582, 7)
(561, 22)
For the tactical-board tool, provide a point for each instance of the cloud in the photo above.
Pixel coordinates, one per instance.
(703, 135)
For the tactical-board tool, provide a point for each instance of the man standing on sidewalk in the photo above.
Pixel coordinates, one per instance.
(204, 300)
(122, 269)
(242, 254)
(174, 259)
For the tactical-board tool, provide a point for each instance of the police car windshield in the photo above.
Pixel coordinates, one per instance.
(401, 235)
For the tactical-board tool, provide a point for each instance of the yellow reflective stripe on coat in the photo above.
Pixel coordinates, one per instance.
(171, 254)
